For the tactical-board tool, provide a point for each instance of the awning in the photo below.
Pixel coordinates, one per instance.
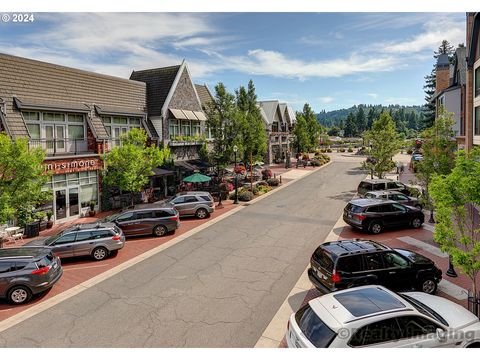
(25, 103)
(115, 110)
(190, 115)
(200, 115)
(162, 172)
(178, 114)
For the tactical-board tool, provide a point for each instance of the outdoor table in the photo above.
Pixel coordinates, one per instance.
(12, 230)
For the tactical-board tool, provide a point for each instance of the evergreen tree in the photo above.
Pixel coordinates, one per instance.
(428, 110)
(361, 120)
(350, 126)
(301, 140)
(445, 48)
(370, 118)
(313, 127)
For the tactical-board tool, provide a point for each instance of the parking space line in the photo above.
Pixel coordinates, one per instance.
(422, 245)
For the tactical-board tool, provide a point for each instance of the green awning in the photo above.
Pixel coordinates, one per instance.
(197, 178)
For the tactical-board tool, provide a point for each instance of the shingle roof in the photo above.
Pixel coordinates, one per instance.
(50, 84)
(204, 94)
(159, 81)
(269, 108)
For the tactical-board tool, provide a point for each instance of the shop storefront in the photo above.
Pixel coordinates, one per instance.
(74, 185)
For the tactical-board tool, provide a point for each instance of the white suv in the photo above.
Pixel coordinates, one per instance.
(373, 316)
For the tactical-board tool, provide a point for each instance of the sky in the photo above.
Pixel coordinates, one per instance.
(329, 60)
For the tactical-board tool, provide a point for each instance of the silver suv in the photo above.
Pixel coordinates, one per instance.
(97, 240)
(193, 203)
(25, 272)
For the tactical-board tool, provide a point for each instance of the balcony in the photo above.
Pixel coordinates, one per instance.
(60, 147)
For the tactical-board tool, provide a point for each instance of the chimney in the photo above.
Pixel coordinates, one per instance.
(443, 73)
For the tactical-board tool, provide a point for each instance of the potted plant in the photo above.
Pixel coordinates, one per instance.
(40, 217)
(49, 219)
(92, 208)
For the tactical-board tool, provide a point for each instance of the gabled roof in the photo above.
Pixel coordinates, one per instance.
(159, 82)
(204, 94)
(269, 108)
(291, 114)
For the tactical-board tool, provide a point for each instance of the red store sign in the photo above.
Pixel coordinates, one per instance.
(71, 166)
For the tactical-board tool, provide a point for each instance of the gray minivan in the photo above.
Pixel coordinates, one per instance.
(25, 272)
(97, 240)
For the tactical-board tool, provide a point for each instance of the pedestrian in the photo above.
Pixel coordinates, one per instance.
(402, 168)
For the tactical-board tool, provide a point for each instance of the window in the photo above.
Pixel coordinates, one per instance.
(413, 326)
(394, 260)
(373, 261)
(161, 214)
(144, 215)
(126, 217)
(53, 117)
(186, 128)
(378, 332)
(120, 120)
(392, 185)
(65, 239)
(476, 130)
(51, 126)
(76, 132)
(386, 208)
(350, 264)
(75, 118)
(379, 186)
(6, 266)
(399, 197)
(82, 236)
(190, 199)
(31, 116)
(477, 81)
(34, 130)
(206, 198)
(101, 234)
(373, 209)
(174, 128)
(314, 329)
(398, 207)
(179, 200)
(196, 128)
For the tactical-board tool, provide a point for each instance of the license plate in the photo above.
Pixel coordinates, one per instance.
(350, 216)
(321, 276)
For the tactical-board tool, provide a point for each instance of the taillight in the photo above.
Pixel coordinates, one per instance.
(116, 237)
(336, 277)
(42, 270)
(173, 218)
(361, 217)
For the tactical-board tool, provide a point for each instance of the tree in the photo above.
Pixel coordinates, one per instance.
(350, 126)
(445, 48)
(457, 197)
(314, 129)
(384, 144)
(361, 120)
(253, 140)
(222, 120)
(129, 166)
(438, 152)
(22, 176)
(301, 140)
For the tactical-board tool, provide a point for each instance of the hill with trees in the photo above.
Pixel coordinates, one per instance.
(355, 120)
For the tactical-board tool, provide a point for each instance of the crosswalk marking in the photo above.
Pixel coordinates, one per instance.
(422, 245)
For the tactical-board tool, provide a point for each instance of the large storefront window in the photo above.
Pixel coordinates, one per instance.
(477, 121)
(72, 192)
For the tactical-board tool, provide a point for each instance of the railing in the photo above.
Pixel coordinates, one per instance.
(60, 146)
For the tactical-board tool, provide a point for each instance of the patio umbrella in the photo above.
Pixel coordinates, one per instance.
(197, 178)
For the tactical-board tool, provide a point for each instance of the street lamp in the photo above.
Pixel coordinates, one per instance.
(451, 271)
(235, 149)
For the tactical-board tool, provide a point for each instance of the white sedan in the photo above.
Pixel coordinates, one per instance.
(373, 316)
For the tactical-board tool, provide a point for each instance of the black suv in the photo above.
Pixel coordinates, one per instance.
(344, 264)
(374, 215)
(25, 272)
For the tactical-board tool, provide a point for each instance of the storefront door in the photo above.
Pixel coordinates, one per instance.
(66, 203)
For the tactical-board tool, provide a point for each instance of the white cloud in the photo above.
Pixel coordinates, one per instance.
(373, 95)
(326, 99)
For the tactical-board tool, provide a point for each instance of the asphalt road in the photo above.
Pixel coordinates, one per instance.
(218, 288)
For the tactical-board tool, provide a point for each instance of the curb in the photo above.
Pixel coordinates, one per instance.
(47, 304)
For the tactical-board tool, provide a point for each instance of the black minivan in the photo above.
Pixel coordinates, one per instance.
(344, 264)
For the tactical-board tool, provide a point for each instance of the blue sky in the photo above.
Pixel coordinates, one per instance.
(330, 60)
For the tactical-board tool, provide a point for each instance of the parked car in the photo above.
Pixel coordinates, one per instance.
(25, 272)
(395, 196)
(375, 215)
(147, 219)
(193, 203)
(381, 184)
(344, 264)
(95, 239)
(416, 158)
(375, 317)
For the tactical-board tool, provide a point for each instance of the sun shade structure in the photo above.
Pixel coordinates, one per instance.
(196, 178)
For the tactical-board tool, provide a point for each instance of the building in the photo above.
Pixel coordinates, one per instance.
(76, 116)
(175, 110)
(450, 90)
(472, 108)
(279, 120)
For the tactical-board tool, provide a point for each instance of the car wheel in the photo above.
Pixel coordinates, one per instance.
(99, 253)
(428, 285)
(159, 230)
(376, 228)
(201, 213)
(473, 345)
(19, 295)
(416, 223)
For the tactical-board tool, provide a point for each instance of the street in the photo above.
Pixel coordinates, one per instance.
(218, 288)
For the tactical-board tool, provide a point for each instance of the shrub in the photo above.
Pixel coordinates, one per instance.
(255, 190)
(318, 151)
(266, 174)
(316, 162)
(350, 149)
(262, 183)
(239, 169)
(273, 182)
(329, 150)
(245, 196)
(409, 151)
(342, 150)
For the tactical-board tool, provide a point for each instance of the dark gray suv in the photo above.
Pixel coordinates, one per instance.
(95, 239)
(27, 271)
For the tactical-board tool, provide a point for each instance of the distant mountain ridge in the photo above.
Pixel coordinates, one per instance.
(335, 117)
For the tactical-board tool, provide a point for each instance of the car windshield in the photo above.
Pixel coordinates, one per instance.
(314, 329)
(52, 239)
(110, 218)
(424, 309)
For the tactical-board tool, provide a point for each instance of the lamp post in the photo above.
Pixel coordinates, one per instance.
(451, 271)
(235, 149)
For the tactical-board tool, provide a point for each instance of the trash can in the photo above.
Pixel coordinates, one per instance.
(32, 229)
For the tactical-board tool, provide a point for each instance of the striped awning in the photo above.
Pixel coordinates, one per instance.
(200, 115)
(181, 114)
(178, 114)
